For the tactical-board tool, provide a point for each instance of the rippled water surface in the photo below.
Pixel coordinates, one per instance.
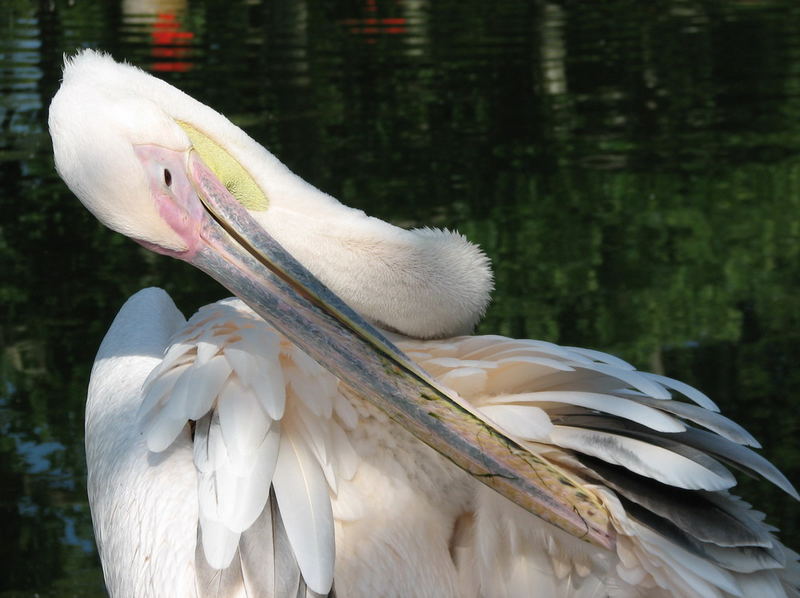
(632, 169)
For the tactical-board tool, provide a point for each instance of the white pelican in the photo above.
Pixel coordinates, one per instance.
(224, 460)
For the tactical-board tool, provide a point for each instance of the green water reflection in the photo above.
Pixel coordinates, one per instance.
(632, 169)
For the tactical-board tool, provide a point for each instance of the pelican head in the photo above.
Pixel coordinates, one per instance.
(158, 166)
(101, 137)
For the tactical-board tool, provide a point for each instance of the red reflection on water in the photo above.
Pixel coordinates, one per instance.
(370, 26)
(170, 42)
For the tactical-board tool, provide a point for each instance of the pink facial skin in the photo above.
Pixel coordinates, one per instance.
(175, 197)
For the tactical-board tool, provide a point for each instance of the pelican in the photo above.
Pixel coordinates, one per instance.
(333, 428)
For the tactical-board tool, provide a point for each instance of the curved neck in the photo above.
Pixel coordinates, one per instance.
(423, 283)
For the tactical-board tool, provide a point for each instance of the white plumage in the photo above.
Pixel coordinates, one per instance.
(224, 461)
(340, 466)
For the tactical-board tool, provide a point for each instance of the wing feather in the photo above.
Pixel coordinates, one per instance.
(692, 512)
(705, 576)
(606, 358)
(629, 409)
(270, 388)
(218, 583)
(644, 458)
(738, 455)
(675, 443)
(305, 507)
(157, 388)
(219, 543)
(521, 421)
(244, 423)
(686, 390)
(699, 415)
(206, 385)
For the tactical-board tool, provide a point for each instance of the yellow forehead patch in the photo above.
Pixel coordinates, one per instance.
(232, 174)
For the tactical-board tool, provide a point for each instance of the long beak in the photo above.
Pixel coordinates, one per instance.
(240, 254)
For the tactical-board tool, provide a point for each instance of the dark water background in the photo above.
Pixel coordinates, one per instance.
(632, 169)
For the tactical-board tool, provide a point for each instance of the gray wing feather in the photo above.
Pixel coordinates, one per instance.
(738, 455)
(717, 530)
(712, 420)
(217, 583)
(670, 442)
(689, 510)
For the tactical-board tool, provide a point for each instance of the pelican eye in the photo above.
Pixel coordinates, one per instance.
(167, 177)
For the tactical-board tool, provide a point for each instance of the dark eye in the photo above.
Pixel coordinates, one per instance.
(167, 177)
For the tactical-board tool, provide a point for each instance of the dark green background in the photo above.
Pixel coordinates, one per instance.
(632, 169)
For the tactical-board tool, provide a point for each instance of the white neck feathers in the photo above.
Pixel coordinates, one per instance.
(424, 283)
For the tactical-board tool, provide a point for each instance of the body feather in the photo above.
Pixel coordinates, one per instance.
(286, 477)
